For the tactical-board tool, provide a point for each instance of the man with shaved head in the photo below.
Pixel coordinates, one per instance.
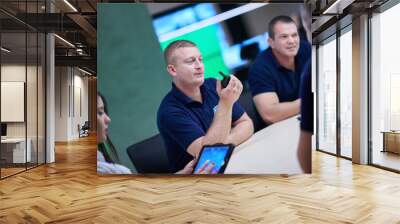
(196, 111)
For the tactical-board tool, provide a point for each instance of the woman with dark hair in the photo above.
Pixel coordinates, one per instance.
(107, 156)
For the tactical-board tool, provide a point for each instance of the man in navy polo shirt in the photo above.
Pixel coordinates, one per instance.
(274, 78)
(196, 111)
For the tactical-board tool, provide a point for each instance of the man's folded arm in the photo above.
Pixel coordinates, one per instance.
(271, 110)
(242, 130)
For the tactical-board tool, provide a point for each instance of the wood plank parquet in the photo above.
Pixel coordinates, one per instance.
(70, 191)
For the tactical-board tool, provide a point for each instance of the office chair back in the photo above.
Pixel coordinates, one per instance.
(250, 52)
(246, 101)
(86, 125)
(149, 155)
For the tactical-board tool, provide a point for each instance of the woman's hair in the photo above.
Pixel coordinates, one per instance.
(107, 148)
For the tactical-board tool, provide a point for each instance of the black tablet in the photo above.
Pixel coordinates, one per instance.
(219, 154)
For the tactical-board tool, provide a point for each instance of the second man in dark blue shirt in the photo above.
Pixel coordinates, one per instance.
(274, 78)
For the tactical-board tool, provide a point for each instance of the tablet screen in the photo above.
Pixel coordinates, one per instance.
(215, 154)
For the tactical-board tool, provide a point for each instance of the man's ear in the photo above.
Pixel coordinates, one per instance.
(171, 70)
(271, 42)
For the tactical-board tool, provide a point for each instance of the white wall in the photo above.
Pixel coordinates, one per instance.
(70, 84)
(80, 109)
(61, 103)
(16, 73)
(33, 126)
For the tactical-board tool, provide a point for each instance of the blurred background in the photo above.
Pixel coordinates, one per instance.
(229, 35)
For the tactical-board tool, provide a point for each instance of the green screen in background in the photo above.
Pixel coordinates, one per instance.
(132, 74)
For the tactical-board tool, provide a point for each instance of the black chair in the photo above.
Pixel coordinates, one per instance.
(149, 156)
(249, 53)
(84, 130)
(246, 101)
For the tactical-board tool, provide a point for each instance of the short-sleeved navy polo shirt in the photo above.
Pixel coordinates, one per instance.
(182, 120)
(267, 75)
(307, 100)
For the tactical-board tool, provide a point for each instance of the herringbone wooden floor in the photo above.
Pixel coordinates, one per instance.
(70, 191)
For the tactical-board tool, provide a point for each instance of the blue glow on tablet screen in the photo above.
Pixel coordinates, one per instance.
(215, 155)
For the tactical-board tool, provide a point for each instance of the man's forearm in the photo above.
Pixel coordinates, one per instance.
(221, 125)
(281, 111)
(241, 132)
